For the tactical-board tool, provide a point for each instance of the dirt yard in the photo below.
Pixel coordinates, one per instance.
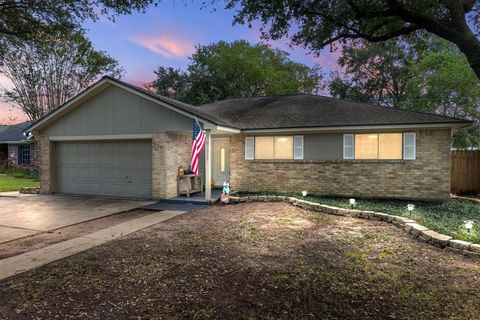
(253, 261)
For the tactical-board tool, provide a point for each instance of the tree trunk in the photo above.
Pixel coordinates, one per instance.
(470, 47)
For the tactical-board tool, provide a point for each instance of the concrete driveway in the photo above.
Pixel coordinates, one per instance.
(26, 215)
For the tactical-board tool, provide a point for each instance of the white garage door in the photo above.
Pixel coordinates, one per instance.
(122, 169)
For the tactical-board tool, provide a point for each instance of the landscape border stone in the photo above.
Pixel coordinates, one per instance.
(416, 230)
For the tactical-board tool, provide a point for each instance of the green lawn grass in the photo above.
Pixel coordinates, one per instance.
(11, 183)
(445, 217)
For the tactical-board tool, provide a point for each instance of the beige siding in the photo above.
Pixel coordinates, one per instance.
(427, 177)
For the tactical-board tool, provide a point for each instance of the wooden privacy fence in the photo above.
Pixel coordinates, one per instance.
(465, 172)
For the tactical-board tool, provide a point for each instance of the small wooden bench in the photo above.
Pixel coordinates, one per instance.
(188, 184)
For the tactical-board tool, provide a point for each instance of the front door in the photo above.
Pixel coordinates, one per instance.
(221, 161)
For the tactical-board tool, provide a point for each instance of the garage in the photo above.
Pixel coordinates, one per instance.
(105, 168)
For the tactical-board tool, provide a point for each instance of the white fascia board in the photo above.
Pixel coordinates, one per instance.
(360, 128)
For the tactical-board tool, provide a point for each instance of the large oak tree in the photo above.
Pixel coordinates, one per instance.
(318, 23)
(237, 69)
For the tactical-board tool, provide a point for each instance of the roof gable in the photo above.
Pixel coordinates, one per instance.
(105, 82)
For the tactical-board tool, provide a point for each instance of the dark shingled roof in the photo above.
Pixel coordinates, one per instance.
(303, 110)
(14, 132)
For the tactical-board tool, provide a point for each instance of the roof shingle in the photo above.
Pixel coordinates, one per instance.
(303, 110)
(14, 132)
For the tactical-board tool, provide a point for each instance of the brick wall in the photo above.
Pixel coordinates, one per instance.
(169, 151)
(427, 177)
(13, 158)
(45, 161)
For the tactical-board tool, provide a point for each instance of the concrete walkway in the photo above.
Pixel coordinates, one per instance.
(36, 258)
(25, 215)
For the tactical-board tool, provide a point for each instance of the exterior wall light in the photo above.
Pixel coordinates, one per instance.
(468, 224)
(304, 193)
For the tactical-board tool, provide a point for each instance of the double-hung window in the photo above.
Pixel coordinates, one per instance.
(24, 154)
(383, 146)
(274, 147)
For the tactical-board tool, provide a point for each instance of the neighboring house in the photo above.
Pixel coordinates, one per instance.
(115, 139)
(19, 150)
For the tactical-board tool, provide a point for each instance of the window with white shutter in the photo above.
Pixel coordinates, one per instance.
(348, 146)
(409, 146)
(298, 147)
(249, 148)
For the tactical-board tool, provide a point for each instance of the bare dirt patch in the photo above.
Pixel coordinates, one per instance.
(253, 261)
(44, 239)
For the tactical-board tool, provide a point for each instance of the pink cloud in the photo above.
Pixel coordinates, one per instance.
(10, 114)
(166, 45)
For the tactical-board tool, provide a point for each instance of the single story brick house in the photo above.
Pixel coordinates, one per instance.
(115, 139)
(19, 150)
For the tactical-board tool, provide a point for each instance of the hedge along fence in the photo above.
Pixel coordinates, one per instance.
(411, 226)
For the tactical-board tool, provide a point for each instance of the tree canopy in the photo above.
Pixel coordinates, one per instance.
(443, 83)
(318, 23)
(45, 73)
(419, 73)
(237, 69)
(31, 19)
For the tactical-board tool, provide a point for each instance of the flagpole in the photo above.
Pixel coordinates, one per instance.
(208, 166)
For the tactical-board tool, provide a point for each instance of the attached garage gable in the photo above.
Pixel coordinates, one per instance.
(120, 168)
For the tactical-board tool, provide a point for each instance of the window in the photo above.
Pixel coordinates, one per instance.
(278, 147)
(390, 146)
(366, 146)
(24, 154)
(384, 146)
(283, 148)
(222, 159)
(264, 147)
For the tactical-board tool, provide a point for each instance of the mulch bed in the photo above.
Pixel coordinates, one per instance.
(253, 261)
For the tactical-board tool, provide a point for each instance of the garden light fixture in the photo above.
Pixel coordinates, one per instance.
(468, 224)
(352, 202)
(410, 208)
(304, 193)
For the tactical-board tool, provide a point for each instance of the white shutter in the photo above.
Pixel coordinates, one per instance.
(298, 147)
(409, 146)
(249, 148)
(348, 146)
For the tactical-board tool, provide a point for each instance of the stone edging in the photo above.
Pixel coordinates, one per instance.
(411, 226)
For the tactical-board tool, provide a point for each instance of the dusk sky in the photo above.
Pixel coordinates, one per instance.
(166, 35)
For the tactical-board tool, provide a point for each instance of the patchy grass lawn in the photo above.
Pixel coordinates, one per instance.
(446, 217)
(253, 261)
(15, 181)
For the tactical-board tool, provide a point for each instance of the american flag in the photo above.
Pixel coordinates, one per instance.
(199, 139)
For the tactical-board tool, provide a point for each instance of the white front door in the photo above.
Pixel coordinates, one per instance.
(221, 160)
